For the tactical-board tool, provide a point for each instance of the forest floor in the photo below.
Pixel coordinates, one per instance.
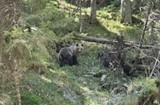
(78, 85)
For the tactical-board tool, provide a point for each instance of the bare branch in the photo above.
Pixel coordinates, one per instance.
(111, 42)
(154, 65)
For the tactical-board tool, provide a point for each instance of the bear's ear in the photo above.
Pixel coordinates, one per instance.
(77, 45)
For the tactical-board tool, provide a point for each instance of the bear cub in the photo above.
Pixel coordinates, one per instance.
(68, 55)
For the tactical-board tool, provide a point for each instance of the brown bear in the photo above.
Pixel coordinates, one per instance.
(68, 55)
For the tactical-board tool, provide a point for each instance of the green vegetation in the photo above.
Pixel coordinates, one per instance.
(45, 83)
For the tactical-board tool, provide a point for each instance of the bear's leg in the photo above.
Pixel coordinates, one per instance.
(75, 62)
(70, 61)
(61, 61)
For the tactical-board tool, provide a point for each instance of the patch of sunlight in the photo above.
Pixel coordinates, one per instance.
(102, 94)
(53, 71)
(86, 89)
(59, 83)
(90, 101)
(83, 34)
(110, 21)
(87, 10)
(45, 79)
(104, 15)
(146, 82)
(111, 25)
(91, 44)
(76, 19)
(94, 100)
(67, 5)
(59, 73)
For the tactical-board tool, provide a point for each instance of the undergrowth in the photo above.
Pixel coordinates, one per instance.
(76, 85)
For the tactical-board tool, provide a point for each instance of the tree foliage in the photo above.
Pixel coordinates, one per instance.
(35, 51)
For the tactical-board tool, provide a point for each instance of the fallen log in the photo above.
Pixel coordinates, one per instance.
(111, 42)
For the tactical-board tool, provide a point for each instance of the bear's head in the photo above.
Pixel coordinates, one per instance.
(79, 47)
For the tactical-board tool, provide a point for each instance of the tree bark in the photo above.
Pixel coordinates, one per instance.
(80, 7)
(17, 86)
(145, 24)
(156, 4)
(136, 4)
(154, 67)
(93, 11)
(125, 12)
(9, 14)
(157, 82)
(143, 31)
(112, 42)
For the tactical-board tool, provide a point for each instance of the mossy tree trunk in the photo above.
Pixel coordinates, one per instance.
(93, 11)
(80, 7)
(136, 4)
(157, 4)
(158, 86)
(1, 65)
(125, 12)
(9, 14)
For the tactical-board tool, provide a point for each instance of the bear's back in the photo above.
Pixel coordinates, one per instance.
(65, 52)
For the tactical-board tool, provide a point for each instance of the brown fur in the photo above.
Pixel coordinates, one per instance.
(68, 55)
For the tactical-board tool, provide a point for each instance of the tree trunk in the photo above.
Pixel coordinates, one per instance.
(111, 42)
(125, 12)
(1, 66)
(93, 11)
(136, 4)
(17, 86)
(158, 86)
(9, 13)
(80, 7)
(157, 4)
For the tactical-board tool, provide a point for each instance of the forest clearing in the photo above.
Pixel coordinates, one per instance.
(80, 52)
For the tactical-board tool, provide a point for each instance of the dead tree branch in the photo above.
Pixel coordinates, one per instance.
(154, 65)
(145, 24)
(111, 42)
(144, 30)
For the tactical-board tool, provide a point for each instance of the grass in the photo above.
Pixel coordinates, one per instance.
(73, 85)
(108, 26)
(68, 85)
(46, 93)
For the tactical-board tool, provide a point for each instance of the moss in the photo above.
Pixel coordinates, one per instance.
(31, 99)
(49, 88)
